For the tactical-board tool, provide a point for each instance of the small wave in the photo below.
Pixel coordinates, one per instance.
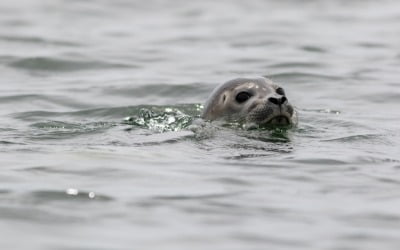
(372, 45)
(321, 161)
(70, 194)
(55, 126)
(196, 196)
(54, 130)
(38, 40)
(3, 142)
(315, 49)
(41, 99)
(370, 138)
(63, 65)
(79, 171)
(248, 156)
(302, 77)
(291, 65)
(253, 43)
(165, 138)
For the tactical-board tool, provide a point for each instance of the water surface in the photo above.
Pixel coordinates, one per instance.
(76, 175)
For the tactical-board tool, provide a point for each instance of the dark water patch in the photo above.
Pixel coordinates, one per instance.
(40, 170)
(247, 156)
(313, 49)
(351, 240)
(371, 45)
(50, 64)
(291, 65)
(268, 147)
(397, 167)
(253, 43)
(235, 144)
(302, 77)
(213, 210)
(365, 74)
(220, 204)
(10, 130)
(38, 41)
(265, 150)
(247, 60)
(270, 240)
(196, 197)
(300, 178)
(71, 194)
(5, 191)
(386, 180)
(320, 161)
(16, 23)
(272, 137)
(234, 181)
(3, 142)
(183, 40)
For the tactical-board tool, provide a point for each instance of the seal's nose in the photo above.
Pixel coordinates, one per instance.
(277, 101)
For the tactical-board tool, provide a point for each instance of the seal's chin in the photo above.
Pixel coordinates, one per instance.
(278, 120)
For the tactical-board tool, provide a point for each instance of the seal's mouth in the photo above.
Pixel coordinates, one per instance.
(279, 120)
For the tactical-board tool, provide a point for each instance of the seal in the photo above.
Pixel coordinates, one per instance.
(255, 101)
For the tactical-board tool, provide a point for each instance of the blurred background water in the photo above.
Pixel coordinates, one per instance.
(75, 175)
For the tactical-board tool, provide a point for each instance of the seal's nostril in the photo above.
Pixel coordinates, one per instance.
(277, 101)
(273, 100)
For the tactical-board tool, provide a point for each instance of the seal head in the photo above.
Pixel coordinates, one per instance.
(250, 100)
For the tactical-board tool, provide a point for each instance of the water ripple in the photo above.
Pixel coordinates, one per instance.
(63, 65)
(38, 40)
(303, 77)
(370, 138)
(196, 197)
(70, 194)
(291, 65)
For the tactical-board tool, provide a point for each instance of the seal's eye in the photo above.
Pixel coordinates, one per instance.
(280, 91)
(242, 97)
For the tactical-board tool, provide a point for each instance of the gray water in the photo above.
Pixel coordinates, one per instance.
(76, 175)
